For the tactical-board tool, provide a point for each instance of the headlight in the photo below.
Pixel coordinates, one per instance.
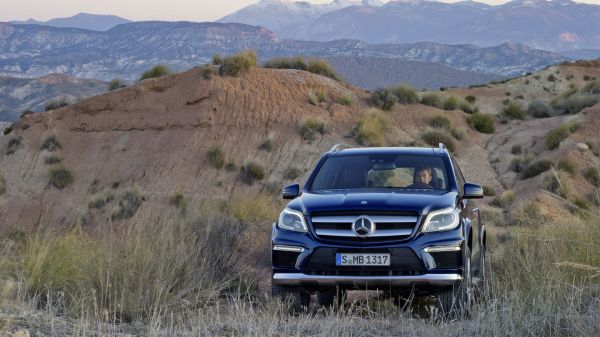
(442, 220)
(292, 221)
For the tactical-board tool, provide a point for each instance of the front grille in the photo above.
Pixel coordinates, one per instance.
(389, 225)
(403, 261)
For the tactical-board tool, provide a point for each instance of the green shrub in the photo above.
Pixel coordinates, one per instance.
(216, 157)
(26, 112)
(116, 84)
(383, 99)
(267, 145)
(558, 134)
(60, 176)
(572, 104)
(471, 99)
(230, 166)
(451, 103)
(323, 68)
(238, 64)
(566, 165)
(100, 201)
(536, 168)
(556, 184)
(129, 203)
(592, 175)
(516, 149)
(405, 94)
(518, 164)
(372, 128)
(310, 127)
(55, 104)
(315, 66)
(52, 160)
(514, 110)
(292, 173)
(158, 71)
(178, 200)
(481, 122)
(435, 137)
(538, 109)
(506, 199)
(440, 122)
(489, 191)
(217, 59)
(432, 99)
(2, 184)
(551, 78)
(467, 107)
(208, 71)
(592, 88)
(7, 131)
(51, 144)
(345, 100)
(13, 145)
(251, 172)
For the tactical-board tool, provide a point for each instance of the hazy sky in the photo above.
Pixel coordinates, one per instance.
(171, 10)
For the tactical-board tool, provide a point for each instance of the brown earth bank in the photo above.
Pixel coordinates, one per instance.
(155, 135)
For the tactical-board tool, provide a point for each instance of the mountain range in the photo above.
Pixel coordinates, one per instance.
(81, 20)
(555, 25)
(127, 50)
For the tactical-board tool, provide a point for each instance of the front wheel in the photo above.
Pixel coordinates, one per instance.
(297, 297)
(456, 301)
(331, 296)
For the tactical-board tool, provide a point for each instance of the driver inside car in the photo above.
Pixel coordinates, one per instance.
(422, 178)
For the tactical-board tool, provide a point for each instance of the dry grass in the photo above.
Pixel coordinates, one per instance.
(372, 128)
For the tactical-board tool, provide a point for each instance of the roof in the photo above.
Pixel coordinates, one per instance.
(420, 151)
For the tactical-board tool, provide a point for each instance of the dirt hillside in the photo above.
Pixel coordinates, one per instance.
(154, 137)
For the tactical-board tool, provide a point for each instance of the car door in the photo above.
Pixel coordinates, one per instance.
(469, 212)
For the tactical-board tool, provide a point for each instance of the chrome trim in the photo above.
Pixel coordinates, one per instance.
(438, 249)
(350, 233)
(375, 218)
(283, 248)
(427, 279)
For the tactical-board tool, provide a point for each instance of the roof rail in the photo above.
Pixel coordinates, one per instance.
(443, 147)
(340, 147)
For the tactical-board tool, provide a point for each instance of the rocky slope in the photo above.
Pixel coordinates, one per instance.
(152, 140)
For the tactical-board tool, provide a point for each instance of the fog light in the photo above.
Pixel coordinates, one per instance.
(294, 249)
(439, 249)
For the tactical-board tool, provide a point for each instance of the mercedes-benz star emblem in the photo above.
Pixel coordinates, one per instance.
(363, 226)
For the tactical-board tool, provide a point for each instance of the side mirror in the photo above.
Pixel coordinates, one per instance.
(291, 191)
(472, 191)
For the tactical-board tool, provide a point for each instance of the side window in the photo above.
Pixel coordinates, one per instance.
(460, 179)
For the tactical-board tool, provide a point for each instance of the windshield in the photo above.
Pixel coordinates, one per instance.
(408, 172)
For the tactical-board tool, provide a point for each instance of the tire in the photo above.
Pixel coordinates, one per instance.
(482, 273)
(456, 301)
(297, 297)
(331, 296)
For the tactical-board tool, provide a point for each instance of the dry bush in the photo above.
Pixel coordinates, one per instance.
(435, 137)
(252, 172)
(51, 144)
(13, 145)
(2, 183)
(310, 127)
(535, 168)
(315, 66)
(216, 157)
(383, 99)
(372, 128)
(157, 71)
(60, 177)
(254, 210)
(560, 133)
(128, 205)
(514, 110)
(481, 122)
(238, 64)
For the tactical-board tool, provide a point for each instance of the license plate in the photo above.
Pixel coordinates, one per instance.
(342, 259)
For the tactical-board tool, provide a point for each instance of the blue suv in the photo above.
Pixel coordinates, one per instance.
(399, 220)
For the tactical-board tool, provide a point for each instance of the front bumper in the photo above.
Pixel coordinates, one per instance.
(300, 279)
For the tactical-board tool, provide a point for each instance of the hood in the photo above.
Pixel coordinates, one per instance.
(418, 202)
